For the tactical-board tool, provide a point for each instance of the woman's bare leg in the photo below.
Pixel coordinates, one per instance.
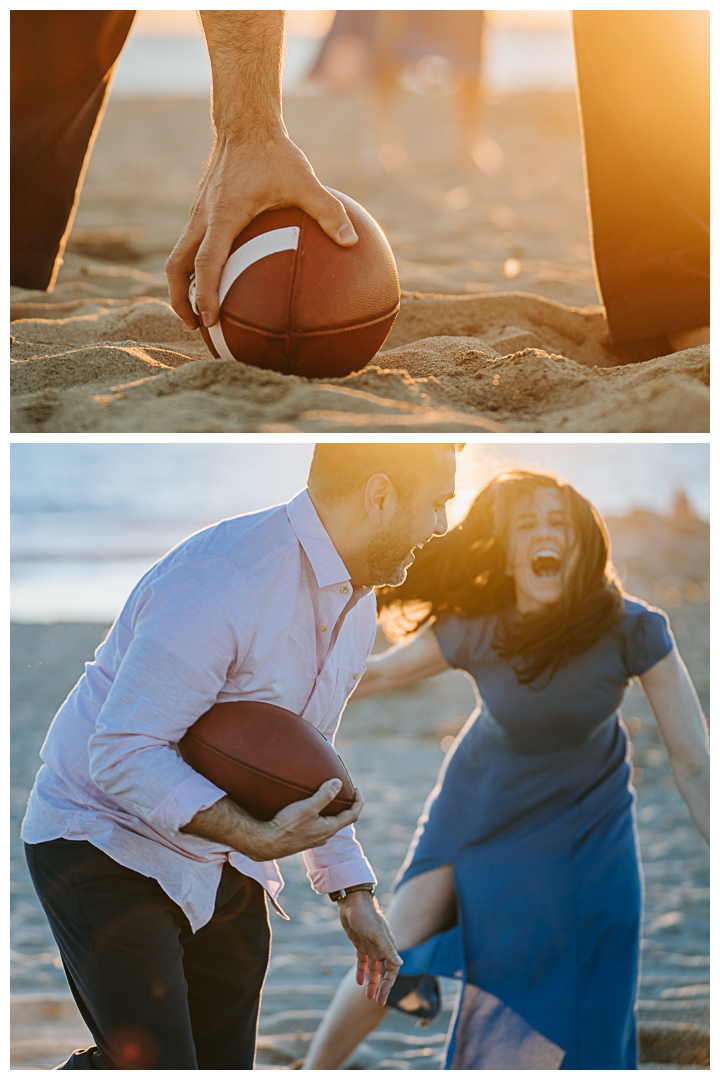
(423, 906)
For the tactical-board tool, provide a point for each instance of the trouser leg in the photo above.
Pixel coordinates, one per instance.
(644, 90)
(60, 65)
(123, 944)
(119, 938)
(225, 964)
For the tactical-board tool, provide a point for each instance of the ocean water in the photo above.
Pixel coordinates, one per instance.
(89, 519)
(515, 60)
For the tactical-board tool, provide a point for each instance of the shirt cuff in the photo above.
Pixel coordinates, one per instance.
(180, 805)
(342, 875)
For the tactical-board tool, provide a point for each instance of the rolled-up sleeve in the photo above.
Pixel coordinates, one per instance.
(191, 626)
(339, 863)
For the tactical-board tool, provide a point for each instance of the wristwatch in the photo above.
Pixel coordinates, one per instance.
(340, 894)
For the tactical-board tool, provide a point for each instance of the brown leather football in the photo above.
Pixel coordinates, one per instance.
(292, 300)
(264, 757)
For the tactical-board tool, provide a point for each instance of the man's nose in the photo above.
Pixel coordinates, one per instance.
(441, 523)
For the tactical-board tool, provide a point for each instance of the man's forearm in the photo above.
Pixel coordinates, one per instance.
(227, 823)
(254, 165)
(246, 52)
(297, 827)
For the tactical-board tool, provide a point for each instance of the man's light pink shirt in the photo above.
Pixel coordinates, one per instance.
(256, 608)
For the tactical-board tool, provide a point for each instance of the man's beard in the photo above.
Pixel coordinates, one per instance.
(389, 551)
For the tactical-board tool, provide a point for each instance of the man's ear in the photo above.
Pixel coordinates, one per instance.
(380, 499)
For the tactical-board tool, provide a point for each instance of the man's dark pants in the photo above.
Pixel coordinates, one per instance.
(61, 63)
(153, 994)
(644, 92)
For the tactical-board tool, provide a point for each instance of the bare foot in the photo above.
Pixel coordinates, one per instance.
(688, 339)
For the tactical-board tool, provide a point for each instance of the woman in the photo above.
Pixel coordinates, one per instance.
(523, 878)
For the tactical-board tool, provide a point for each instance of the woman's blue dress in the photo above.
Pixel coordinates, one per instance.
(533, 807)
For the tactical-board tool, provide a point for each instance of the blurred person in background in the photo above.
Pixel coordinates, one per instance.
(440, 50)
(523, 876)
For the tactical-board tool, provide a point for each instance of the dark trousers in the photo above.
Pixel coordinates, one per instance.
(644, 89)
(153, 994)
(60, 68)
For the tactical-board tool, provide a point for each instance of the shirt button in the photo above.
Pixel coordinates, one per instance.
(344, 589)
(356, 675)
(323, 626)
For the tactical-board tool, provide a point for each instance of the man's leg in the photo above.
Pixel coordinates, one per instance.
(60, 65)
(225, 964)
(644, 89)
(119, 937)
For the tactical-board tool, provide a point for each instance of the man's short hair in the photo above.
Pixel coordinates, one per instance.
(339, 470)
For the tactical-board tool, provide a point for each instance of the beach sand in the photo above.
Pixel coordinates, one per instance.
(500, 327)
(393, 747)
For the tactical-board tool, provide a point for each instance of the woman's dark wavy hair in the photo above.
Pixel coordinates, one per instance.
(465, 572)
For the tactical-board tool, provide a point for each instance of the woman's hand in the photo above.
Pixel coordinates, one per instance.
(402, 665)
(682, 725)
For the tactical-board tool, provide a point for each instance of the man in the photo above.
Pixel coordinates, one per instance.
(153, 880)
(61, 68)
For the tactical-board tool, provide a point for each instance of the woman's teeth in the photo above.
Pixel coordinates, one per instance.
(546, 564)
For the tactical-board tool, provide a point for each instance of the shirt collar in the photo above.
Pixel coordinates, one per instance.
(328, 567)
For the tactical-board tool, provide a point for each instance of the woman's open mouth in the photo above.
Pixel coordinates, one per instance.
(546, 563)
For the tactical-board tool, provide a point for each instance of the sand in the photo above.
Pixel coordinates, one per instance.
(500, 328)
(394, 747)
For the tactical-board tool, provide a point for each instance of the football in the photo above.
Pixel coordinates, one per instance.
(264, 757)
(293, 300)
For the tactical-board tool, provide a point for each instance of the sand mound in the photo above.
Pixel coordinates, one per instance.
(145, 320)
(508, 322)
(500, 363)
(105, 352)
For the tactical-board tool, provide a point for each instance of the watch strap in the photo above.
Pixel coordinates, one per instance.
(340, 894)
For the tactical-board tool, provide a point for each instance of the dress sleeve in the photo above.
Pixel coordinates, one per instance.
(648, 637)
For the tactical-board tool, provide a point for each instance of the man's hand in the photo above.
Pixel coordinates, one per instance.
(243, 179)
(376, 952)
(254, 165)
(296, 828)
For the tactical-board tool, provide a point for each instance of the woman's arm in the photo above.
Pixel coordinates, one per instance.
(682, 725)
(403, 664)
